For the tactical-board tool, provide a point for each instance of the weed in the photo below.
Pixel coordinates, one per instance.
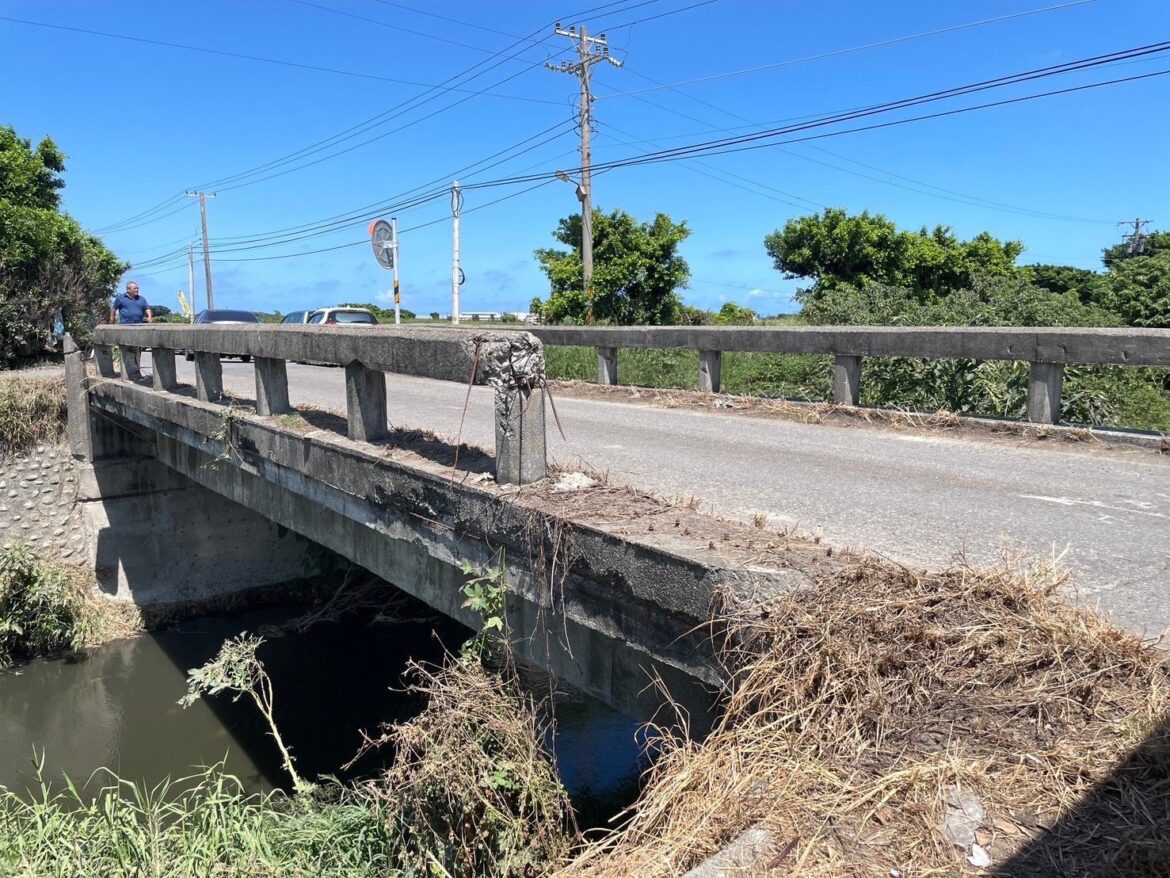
(42, 606)
(32, 410)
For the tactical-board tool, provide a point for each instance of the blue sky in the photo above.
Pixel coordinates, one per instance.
(142, 122)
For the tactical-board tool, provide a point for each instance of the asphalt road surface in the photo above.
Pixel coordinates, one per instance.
(919, 499)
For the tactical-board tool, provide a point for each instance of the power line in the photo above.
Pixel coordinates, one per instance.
(739, 143)
(466, 75)
(838, 52)
(245, 57)
(662, 14)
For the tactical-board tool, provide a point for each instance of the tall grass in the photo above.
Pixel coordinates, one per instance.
(196, 826)
(788, 376)
(32, 410)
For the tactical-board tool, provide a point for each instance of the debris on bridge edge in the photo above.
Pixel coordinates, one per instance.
(864, 713)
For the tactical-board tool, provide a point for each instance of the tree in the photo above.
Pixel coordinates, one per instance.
(49, 266)
(636, 273)
(835, 249)
(1138, 290)
(1084, 282)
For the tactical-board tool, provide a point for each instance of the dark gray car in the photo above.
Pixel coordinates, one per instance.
(222, 315)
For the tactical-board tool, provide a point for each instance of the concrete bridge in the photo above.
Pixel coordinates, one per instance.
(189, 494)
(599, 602)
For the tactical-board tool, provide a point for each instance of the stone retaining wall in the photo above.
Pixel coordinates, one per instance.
(38, 490)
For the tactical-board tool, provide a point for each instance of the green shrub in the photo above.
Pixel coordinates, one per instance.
(42, 606)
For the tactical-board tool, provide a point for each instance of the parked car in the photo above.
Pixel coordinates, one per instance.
(297, 317)
(223, 316)
(348, 316)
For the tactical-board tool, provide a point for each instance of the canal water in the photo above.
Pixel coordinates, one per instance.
(115, 706)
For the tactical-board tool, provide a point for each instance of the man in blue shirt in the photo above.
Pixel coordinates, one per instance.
(129, 307)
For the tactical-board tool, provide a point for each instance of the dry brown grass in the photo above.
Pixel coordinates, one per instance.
(854, 708)
(32, 410)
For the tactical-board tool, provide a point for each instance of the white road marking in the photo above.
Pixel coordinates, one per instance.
(1097, 504)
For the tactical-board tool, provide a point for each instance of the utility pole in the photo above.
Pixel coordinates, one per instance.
(456, 274)
(1136, 239)
(191, 279)
(203, 196)
(397, 297)
(590, 51)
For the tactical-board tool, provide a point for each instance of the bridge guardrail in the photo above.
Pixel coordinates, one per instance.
(510, 361)
(1047, 350)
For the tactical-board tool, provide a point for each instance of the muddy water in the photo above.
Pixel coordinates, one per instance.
(115, 706)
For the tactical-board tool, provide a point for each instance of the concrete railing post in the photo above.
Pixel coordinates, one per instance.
(271, 386)
(846, 380)
(130, 362)
(76, 402)
(521, 455)
(365, 403)
(208, 376)
(1044, 383)
(163, 360)
(103, 356)
(710, 363)
(607, 365)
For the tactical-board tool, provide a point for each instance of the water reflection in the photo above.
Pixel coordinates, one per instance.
(115, 706)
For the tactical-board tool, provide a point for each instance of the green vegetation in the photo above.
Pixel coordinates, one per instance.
(195, 826)
(637, 271)
(43, 608)
(49, 265)
(863, 270)
(32, 410)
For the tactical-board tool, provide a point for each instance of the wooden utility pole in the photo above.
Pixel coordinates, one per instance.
(590, 51)
(203, 196)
